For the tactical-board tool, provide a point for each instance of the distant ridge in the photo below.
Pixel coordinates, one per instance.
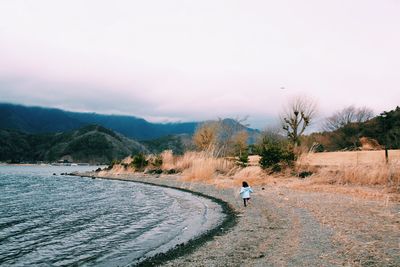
(47, 120)
(89, 144)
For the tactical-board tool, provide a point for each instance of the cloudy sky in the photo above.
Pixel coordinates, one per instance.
(194, 60)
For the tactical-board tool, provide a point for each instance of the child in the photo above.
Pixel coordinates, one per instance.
(245, 192)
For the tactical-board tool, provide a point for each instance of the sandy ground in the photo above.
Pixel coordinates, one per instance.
(287, 227)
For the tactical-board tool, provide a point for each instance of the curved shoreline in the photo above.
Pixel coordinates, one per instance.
(182, 249)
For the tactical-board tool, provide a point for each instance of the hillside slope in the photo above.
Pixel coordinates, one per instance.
(42, 120)
(93, 144)
(34, 120)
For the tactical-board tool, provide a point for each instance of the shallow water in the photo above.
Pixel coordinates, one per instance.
(54, 220)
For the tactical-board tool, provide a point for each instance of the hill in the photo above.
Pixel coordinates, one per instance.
(178, 143)
(35, 120)
(385, 129)
(93, 144)
(38, 120)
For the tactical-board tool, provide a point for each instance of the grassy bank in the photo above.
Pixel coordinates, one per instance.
(365, 170)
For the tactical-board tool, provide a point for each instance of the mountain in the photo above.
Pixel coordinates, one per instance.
(178, 143)
(36, 120)
(235, 126)
(43, 120)
(93, 144)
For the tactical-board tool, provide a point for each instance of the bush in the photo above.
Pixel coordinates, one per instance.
(155, 171)
(274, 153)
(171, 171)
(125, 165)
(276, 168)
(114, 162)
(139, 161)
(157, 161)
(305, 174)
(244, 158)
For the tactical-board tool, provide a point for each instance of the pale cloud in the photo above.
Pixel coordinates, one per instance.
(194, 60)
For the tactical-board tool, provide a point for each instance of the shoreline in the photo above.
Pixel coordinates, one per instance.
(183, 249)
(283, 226)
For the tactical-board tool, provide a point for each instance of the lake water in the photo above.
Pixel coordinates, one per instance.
(54, 220)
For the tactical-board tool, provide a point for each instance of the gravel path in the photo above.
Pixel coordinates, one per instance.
(286, 227)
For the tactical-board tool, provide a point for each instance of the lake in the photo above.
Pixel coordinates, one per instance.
(55, 220)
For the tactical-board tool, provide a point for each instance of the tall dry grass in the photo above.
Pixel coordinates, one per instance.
(168, 160)
(340, 168)
(349, 158)
(254, 175)
(201, 166)
(371, 174)
(352, 168)
(224, 172)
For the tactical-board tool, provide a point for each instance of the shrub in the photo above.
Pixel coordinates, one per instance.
(171, 171)
(305, 174)
(244, 158)
(155, 171)
(274, 153)
(113, 162)
(276, 168)
(139, 161)
(157, 161)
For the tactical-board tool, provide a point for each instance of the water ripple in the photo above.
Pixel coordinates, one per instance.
(60, 220)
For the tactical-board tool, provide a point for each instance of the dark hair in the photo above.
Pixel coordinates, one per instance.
(245, 184)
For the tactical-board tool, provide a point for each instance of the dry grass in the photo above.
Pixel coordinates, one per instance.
(117, 169)
(357, 168)
(127, 160)
(254, 175)
(204, 167)
(362, 173)
(222, 172)
(254, 160)
(168, 160)
(376, 174)
(200, 166)
(349, 158)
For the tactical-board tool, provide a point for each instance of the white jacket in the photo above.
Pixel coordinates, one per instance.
(245, 192)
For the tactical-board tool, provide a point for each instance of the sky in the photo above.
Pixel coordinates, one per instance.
(169, 61)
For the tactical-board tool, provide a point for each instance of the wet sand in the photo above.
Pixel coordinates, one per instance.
(286, 227)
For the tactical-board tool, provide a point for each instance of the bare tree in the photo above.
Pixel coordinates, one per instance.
(297, 116)
(364, 114)
(346, 116)
(239, 141)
